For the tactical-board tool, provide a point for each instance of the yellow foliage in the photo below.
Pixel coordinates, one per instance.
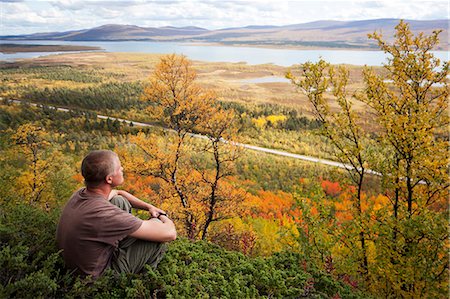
(260, 122)
(177, 100)
(380, 202)
(30, 138)
(271, 236)
(32, 142)
(263, 121)
(276, 119)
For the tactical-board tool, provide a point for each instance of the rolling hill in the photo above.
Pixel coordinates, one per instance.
(328, 33)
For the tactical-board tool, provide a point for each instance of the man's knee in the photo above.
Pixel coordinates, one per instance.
(155, 253)
(121, 202)
(133, 257)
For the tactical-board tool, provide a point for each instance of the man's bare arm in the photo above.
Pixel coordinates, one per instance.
(137, 203)
(162, 230)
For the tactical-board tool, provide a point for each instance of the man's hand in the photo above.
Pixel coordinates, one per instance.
(137, 203)
(154, 211)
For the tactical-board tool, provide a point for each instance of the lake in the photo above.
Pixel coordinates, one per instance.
(283, 57)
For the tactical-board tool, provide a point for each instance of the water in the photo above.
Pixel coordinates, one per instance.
(20, 55)
(282, 57)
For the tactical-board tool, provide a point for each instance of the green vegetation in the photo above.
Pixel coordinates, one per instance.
(31, 267)
(64, 73)
(409, 106)
(293, 121)
(105, 96)
(268, 125)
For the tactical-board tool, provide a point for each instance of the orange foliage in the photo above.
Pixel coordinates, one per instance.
(144, 187)
(441, 204)
(331, 188)
(343, 208)
(269, 205)
(78, 177)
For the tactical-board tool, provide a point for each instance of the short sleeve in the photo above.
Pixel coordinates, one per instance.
(115, 224)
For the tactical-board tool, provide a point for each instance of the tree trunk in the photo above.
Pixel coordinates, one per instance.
(214, 185)
(362, 239)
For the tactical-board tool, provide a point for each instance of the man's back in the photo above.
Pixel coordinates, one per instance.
(89, 231)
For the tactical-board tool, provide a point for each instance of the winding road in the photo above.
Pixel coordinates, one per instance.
(243, 145)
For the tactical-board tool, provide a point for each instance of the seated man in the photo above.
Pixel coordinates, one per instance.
(96, 230)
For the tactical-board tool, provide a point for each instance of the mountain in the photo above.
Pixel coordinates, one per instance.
(127, 32)
(326, 33)
(114, 32)
(334, 34)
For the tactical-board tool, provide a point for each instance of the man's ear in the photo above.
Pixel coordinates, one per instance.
(108, 179)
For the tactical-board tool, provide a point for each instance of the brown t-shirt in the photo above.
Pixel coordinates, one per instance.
(89, 231)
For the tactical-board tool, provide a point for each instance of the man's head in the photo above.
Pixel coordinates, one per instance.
(102, 166)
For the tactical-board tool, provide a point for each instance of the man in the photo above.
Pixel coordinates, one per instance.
(97, 231)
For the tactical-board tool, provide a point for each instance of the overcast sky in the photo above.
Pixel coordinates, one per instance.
(24, 16)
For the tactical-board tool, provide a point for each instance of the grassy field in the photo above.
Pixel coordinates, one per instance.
(86, 71)
(226, 79)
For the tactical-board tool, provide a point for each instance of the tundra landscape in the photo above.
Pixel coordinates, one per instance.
(251, 224)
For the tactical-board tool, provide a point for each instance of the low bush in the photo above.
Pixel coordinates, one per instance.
(31, 267)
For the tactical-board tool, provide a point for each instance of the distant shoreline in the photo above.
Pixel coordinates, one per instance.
(18, 48)
(12, 48)
(295, 46)
(278, 46)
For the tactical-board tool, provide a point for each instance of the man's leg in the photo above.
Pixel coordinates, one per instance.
(133, 254)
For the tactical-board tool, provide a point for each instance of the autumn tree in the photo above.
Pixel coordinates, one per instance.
(181, 105)
(411, 104)
(219, 127)
(408, 103)
(32, 143)
(341, 128)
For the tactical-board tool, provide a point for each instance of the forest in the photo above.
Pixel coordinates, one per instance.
(250, 224)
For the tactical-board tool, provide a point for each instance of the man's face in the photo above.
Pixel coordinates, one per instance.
(117, 176)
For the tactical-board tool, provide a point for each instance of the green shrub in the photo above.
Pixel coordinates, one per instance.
(31, 267)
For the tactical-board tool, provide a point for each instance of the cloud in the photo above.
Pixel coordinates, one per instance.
(417, 10)
(20, 13)
(68, 4)
(20, 16)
